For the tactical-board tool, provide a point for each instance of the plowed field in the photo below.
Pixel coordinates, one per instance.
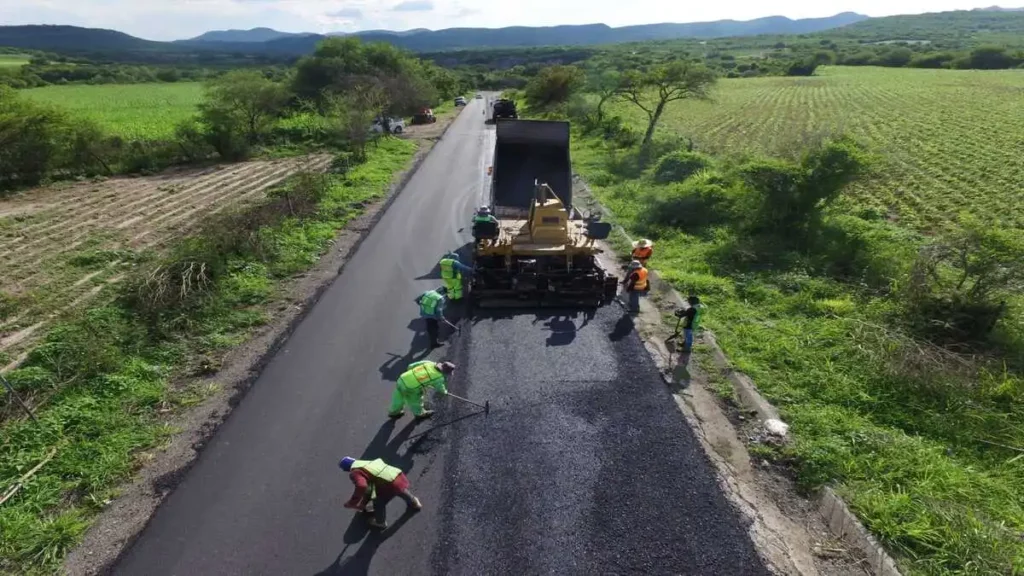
(61, 248)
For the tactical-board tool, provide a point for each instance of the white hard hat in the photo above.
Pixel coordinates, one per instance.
(644, 243)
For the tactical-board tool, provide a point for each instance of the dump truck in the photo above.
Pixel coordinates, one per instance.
(541, 252)
(505, 109)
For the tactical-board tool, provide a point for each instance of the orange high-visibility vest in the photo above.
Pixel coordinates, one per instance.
(642, 253)
(641, 279)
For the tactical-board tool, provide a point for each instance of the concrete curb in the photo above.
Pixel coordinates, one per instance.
(846, 527)
(843, 523)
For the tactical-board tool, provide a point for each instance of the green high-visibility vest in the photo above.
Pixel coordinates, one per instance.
(378, 469)
(482, 219)
(448, 271)
(421, 374)
(697, 317)
(428, 305)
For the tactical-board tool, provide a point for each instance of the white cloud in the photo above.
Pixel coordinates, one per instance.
(414, 6)
(174, 19)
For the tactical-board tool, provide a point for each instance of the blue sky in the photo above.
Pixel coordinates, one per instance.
(175, 19)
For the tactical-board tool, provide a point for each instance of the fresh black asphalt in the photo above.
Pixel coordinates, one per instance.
(583, 466)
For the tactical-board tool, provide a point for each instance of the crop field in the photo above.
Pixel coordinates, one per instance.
(134, 111)
(947, 141)
(13, 60)
(60, 248)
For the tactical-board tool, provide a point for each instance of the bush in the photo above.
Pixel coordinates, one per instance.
(805, 67)
(84, 347)
(959, 285)
(703, 200)
(553, 85)
(679, 166)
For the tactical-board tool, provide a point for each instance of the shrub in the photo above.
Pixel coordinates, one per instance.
(679, 166)
(701, 201)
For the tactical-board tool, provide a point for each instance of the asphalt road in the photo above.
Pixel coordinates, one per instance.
(583, 466)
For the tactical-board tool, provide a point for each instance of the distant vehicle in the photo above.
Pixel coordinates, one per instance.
(424, 116)
(479, 96)
(460, 101)
(505, 109)
(388, 126)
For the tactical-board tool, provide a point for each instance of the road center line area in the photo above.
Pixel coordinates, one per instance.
(583, 464)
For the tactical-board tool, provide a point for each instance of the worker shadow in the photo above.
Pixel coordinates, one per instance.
(387, 448)
(562, 325)
(419, 348)
(623, 328)
(358, 531)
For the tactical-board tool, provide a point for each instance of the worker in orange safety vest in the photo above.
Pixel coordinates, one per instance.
(636, 284)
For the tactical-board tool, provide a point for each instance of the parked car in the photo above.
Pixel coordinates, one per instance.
(460, 100)
(388, 126)
(424, 116)
(479, 96)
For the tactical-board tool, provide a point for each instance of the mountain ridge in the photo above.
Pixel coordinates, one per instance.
(270, 41)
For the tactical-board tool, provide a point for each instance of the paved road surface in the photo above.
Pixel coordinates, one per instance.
(584, 465)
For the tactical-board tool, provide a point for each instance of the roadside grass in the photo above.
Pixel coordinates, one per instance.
(928, 457)
(104, 381)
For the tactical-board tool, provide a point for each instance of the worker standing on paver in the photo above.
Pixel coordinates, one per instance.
(483, 215)
(636, 284)
(451, 274)
(432, 303)
(379, 483)
(643, 250)
(412, 385)
(691, 321)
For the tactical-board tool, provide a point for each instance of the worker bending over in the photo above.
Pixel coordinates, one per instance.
(412, 384)
(636, 284)
(432, 303)
(451, 274)
(643, 250)
(377, 482)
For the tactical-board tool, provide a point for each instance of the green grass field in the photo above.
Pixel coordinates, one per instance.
(948, 140)
(927, 455)
(13, 60)
(134, 111)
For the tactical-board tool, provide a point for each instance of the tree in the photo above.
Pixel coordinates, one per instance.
(247, 99)
(553, 85)
(959, 285)
(653, 91)
(607, 86)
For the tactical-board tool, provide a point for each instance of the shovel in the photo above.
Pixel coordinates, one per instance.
(486, 405)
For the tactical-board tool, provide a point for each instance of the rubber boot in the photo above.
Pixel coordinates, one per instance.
(417, 505)
(425, 414)
(374, 524)
(396, 415)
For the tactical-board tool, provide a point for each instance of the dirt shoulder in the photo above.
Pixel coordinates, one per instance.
(163, 468)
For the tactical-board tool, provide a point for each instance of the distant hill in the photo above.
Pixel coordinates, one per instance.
(997, 9)
(576, 35)
(253, 35)
(73, 39)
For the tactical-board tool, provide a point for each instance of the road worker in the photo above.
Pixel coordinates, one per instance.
(377, 482)
(483, 215)
(412, 385)
(691, 321)
(636, 284)
(432, 303)
(451, 275)
(643, 250)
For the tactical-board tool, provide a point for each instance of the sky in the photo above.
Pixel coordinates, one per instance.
(178, 19)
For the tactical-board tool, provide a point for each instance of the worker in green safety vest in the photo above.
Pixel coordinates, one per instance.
(412, 384)
(451, 274)
(691, 321)
(432, 303)
(378, 482)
